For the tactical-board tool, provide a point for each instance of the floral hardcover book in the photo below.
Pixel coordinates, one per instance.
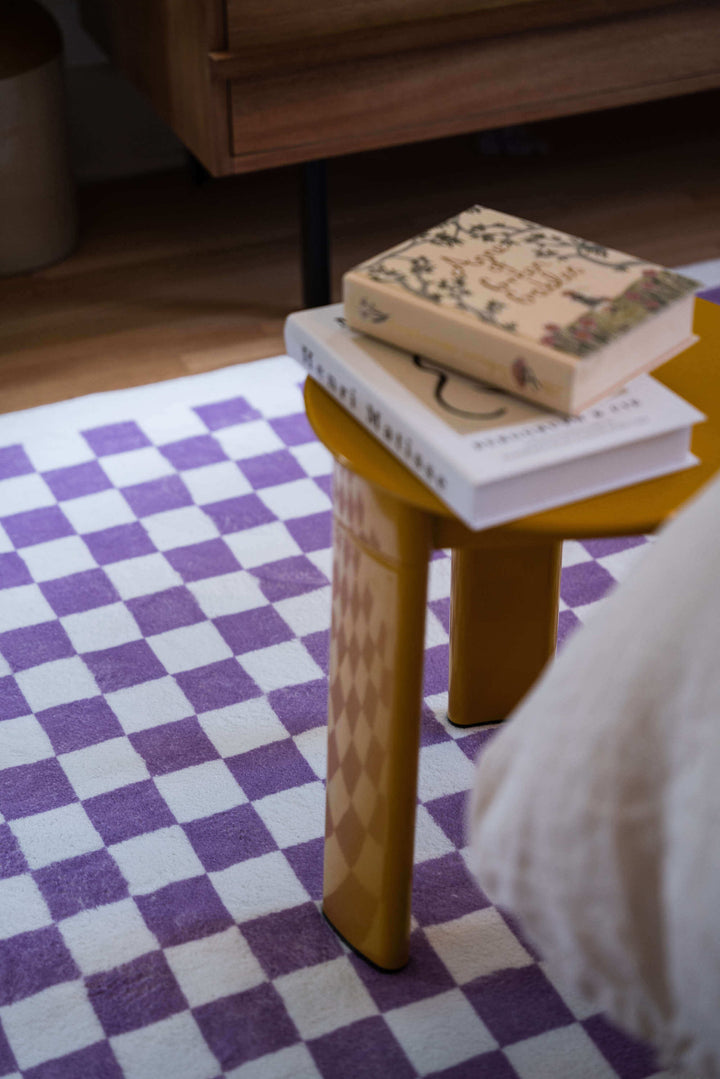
(549, 317)
(489, 456)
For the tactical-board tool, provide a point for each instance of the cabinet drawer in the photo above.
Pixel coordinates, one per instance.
(252, 84)
(249, 25)
(290, 115)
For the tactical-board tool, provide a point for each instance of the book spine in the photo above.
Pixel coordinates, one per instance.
(485, 352)
(335, 375)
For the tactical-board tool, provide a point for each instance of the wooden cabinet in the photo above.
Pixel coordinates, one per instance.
(252, 84)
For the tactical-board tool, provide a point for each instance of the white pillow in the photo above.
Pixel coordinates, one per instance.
(596, 811)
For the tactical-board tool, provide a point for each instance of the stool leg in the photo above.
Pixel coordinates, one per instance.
(381, 551)
(503, 626)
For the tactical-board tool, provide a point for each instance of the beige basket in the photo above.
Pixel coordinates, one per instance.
(38, 219)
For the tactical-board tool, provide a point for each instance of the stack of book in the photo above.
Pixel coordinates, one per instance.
(506, 363)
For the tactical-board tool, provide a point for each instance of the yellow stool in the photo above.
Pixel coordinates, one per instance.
(504, 598)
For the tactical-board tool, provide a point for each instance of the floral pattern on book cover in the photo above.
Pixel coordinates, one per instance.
(491, 266)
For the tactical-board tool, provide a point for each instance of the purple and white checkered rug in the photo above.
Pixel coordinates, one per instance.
(164, 611)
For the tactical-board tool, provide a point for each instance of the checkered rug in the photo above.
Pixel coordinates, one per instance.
(164, 607)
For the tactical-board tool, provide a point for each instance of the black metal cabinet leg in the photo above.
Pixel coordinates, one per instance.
(315, 234)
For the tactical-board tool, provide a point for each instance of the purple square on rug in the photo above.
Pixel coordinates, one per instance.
(289, 577)
(13, 571)
(269, 469)
(237, 514)
(12, 702)
(443, 890)
(612, 545)
(246, 1025)
(193, 452)
(441, 609)
(184, 910)
(172, 746)
(301, 707)
(116, 438)
(259, 627)
(128, 811)
(318, 645)
(118, 543)
(325, 484)
(584, 583)
(291, 939)
(95, 1062)
(424, 976)
(31, 962)
(435, 671)
(157, 496)
(518, 1004)
(226, 413)
(312, 533)
(14, 462)
(136, 994)
(79, 724)
(163, 611)
(277, 766)
(79, 592)
(473, 743)
(449, 812)
(81, 883)
(517, 930)
(306, 860)
(568, 622)
(7, 1059)
(76, 481)
(432, 731)
(293, 430)
(124, 665)
(230, 837)
(630, 1058)
(33, 645)
(364, 1048)
(201, 560)
(217, 685)
(37, 526)
(33, 788)
(12, 859)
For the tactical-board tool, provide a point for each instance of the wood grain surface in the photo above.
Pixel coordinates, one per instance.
(247, 85)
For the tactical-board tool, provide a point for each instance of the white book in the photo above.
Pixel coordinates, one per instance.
(488, 455)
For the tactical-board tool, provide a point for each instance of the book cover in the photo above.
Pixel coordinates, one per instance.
(490, 456)
(552, 318)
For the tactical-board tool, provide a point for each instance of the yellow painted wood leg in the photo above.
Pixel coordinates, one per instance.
(381, 549)
(503, 626)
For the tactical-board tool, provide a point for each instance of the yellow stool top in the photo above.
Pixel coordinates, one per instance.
(640, 508)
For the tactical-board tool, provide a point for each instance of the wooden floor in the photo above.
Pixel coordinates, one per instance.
(171, 276)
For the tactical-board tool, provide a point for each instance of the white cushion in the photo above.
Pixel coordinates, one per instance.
(596, 810)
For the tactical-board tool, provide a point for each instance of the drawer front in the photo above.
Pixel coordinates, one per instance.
(288, 116)
(248, 24)
(249, 27)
